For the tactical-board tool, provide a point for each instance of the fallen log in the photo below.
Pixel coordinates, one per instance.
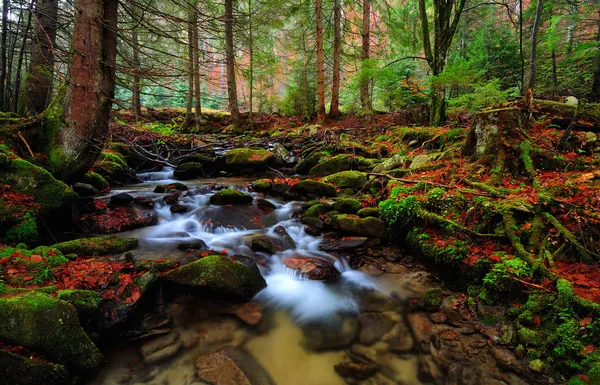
(561, 114)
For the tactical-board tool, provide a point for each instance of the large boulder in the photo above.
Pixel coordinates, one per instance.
(231, 196)
(49, 326)
(232, 366)
(19, 370)
(348, 179)
(221, 276)
(248, 158)
(314, 188)
(97, 246)
(347, 206)
(368, 227)
(49, 193)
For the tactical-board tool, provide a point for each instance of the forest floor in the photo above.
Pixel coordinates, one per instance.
(516, 226)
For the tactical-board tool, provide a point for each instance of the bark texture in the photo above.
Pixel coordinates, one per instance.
(534, 41)
(334, 110)
(77, 129)
(595, 94)
(365, 97)
(41, 69)
(230, 63)
(320, 64)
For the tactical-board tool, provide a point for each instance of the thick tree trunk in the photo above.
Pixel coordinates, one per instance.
(320, 64)
(41, 70)
(554, 75)
(137, 100)
(197, 90)
(190, 97)
(230, 62)
(3, 43)
(17, 85)
(334, 110)
(534, 41)
(595, 94)
(365, 99)
(75, 141)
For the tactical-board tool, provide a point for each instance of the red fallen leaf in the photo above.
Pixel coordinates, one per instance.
(588, 349)
(583, 378)
(585, 322)
(160, 260)
(516, 305)
(36, 258)
(3, 261)
(135, 295)
(537, 321)
(28, 278)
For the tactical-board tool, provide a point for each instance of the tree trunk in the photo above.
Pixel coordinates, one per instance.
(365, 100)
(76, 131)
(251, 49)
(595, 94)
(17, 86)
(230, 63)
(571, 28)
(137, 100)
(41, 70)
(3, 51)
(197, 90)
(11, 54)
(334, 110)
(190, 98)
(534, 40)
(320, 64)
(554, 75)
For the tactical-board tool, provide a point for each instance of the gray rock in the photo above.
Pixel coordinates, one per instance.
(396, 161)
(85, 190)
(420, 161)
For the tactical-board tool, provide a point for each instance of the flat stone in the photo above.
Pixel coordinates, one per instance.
(161, 348)
(232, 366)
(346, 243)
(313, 268)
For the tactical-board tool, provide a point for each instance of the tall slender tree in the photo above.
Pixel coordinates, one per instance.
(3, 64)
(534, 43)
(365, 97)
(595, 94)
(196, 66)
(41, 68)
(230, 62)
(320, 63)
(334, 110)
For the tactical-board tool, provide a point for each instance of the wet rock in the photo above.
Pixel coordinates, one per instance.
(220, 275)
(438, 317)
(311, 230)
(178, 209)
(421, 161)
(316, 210)
(422, 329)
(348, 179)
(20, 370)
(96, 180)
(506, 360)
(265, 204)
(161, 348)
(189, 170)
(195, 245)
(177, 186)
(285, 237)
(230, 197)
(262, 185)
(347, 206)
(368, 212)
(171, 199)
(144, 202)
(429, 371)
(356, 370)
(399, 340)
(346, 243)
(314, 188)
(117, 219)
(259, 242)
(314, 222)
(232, 366)
(396, 161)
(97, 246)
(373, 326)
(250, 313)
(85, 301)
(85, 190)
(338, 334)
(121, 199)
(49, 326)
(313, 268)
(369, 227)
(281, 189)
(310, 161)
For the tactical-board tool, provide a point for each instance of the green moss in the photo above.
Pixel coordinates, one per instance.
(85, 301)
(262, 185)
(220, 275)
(25, 231)
(433, 298)
(96, 180)
(368, 212)
(109, 156)
(20, 370)
(537, 366)
(347, 206)
(231, 196)
(41, 323)
(576, 381)
(188, 170)
(348, 179)
(530, 337)
(339, 163)
(314, 188)
(369, 227)
(316, 209)
(97, 246)
(247, 157)
(162, 188)
(310, 161)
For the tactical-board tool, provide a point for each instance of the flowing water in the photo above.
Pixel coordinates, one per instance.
(308, 326)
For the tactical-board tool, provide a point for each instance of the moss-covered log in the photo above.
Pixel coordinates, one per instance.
(561, 114)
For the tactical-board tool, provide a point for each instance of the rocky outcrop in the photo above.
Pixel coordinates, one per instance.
(189, 170)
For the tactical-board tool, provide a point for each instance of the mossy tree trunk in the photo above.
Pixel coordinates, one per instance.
(76, 129)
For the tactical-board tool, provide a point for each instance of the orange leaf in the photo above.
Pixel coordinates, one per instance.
(585, 322)
(37, 258)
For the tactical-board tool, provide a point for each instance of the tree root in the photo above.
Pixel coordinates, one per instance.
(444, 223)
(570, 237)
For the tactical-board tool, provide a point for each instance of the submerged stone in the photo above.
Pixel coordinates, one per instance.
(232, 366)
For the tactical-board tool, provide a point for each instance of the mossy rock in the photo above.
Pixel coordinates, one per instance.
(4, 161)
(316, 210)
(537, 366)
(49, 326)
(315, 188)
(163, 188)
(248, 158)
(220, 276)
(188, 170)
(96, 180)
(231, 196)
(262, 185)
(530, 337)
(20, 370)
(111, 156)
(433, 298)
(368, 212)
(348, 179)
(347, 206)
(368, 227)
(309, 162)
(50, 193)
(340, 163)
(85, 301)
(115, 173)
(97, 246)
(396, 161)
